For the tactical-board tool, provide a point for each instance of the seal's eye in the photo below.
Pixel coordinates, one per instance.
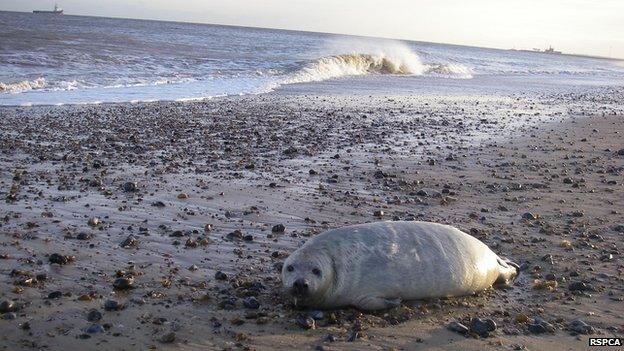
(290, 268)
(316, 271)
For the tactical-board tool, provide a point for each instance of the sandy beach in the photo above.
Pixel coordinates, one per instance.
(164, 225)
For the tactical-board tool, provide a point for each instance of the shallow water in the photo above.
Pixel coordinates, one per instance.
(74, 59)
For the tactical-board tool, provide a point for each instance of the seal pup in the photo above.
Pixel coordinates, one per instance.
(377, 265)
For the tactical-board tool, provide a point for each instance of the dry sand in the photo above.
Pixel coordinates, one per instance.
(193, 191)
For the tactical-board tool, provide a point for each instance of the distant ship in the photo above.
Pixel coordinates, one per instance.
(56, 11)
(550, 50)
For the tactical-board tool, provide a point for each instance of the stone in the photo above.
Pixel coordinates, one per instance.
(458, 328)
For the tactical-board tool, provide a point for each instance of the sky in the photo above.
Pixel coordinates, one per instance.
(593, 27)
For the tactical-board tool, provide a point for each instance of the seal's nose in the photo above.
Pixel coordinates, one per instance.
(300, 287)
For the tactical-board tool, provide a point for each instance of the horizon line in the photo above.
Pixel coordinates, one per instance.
(329, 33)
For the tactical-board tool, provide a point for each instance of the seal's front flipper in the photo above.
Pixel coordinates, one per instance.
(508, 273)
(377, 303)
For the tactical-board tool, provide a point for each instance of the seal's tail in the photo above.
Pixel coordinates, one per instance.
(508, 272)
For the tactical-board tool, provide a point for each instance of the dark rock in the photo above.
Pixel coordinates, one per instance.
(536, 328)
(220, 276)
(84, 236)
(278, 228)
(541, 326)
(330, 338)
(112, 305)
(305, 322)
(481, 327)
(123, 283)
(251, 302)
(158, 204)
(94, 329)
(94, 315)
(55, 295)
(530, 216)
(168, 338)
(580, 327)
(235, 235)
(129, 187)
(8, 306)
(60, 259)
(130, 241)
(606, 257)
(580, 286)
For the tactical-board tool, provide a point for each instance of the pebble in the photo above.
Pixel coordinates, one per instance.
(94, 329)
(251, 303)
(94, 221)
(481, 327)
(278, 228)
(536, 328)
(112, 305)
(580, 327)
(129, 187)
(123, 283)
(8, 306)
(220, 276)
(330, 338)
(83, 236)
(530, 216)
(540, 326)
(94, 315)
(305, 322)
(130, 241)
(168, 338)
(458, 328)
(55, 295)
(60, 259)
(580, 286)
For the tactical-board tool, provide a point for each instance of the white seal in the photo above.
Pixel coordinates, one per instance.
(377, 265)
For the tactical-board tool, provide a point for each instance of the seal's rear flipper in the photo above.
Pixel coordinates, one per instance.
(508, 272)
(370, 303)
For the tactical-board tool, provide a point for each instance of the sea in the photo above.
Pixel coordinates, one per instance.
(63, 59)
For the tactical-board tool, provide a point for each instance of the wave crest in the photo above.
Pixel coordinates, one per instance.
(453, 70)
(404, 63)
(357, 65)
(25, 85)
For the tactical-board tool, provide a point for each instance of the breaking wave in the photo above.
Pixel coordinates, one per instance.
(22, 86)
(406, 63)
(357, 65)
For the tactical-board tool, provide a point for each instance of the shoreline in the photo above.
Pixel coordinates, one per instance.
(243, 165)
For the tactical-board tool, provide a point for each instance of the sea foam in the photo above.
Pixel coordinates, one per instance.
(25, 85)
(373, 58)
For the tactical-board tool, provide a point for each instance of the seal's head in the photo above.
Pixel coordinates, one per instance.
(307, 276)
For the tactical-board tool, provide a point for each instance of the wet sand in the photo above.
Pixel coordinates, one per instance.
(155, 226)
